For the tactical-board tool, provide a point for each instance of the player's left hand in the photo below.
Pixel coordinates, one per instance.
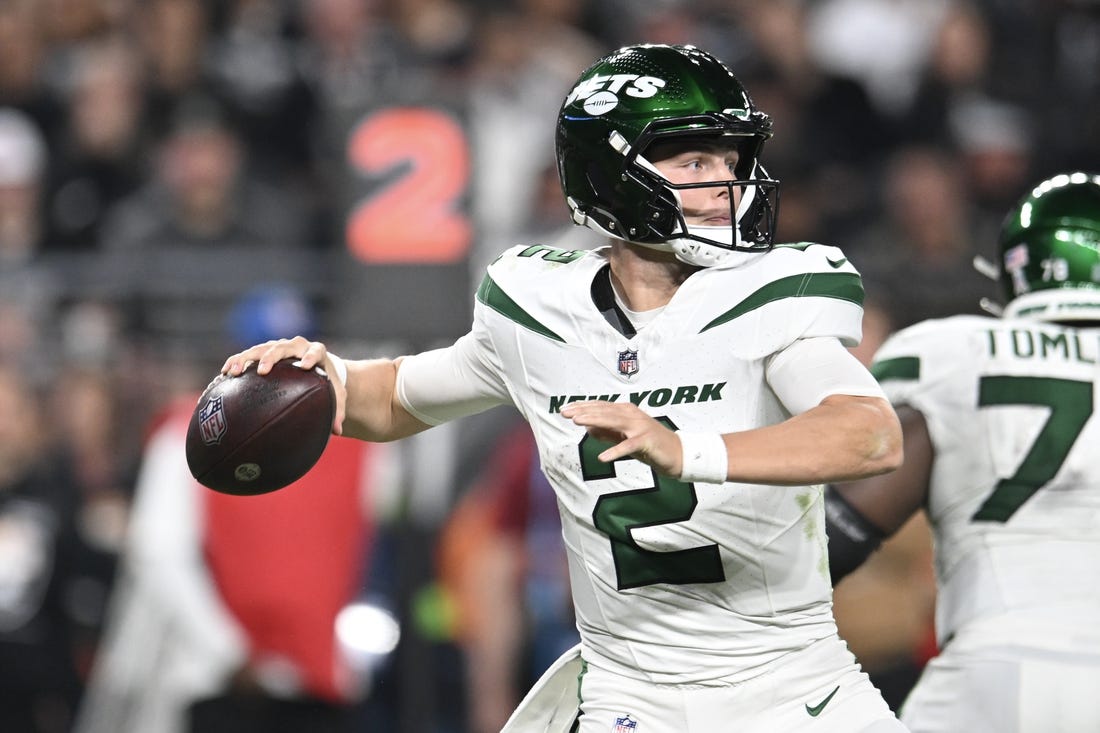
(632, 432)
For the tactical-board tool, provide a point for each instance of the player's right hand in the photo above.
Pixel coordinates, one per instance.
(308, 353)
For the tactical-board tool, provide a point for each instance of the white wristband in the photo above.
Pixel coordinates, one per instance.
(705, 458)
(340, 368)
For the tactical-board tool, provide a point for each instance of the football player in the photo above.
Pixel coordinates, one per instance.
(999, 439)
(690, 391)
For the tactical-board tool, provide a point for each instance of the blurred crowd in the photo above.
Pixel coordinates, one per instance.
(181, 178)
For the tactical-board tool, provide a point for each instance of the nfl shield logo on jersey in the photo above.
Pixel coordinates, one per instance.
(628, 362)
(625, 724)
(212, 424)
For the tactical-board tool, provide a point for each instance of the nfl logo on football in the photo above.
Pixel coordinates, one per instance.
(628, 362)
(212, 423)
(625, 724)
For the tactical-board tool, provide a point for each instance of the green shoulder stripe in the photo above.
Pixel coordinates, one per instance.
(491, 295)
(840, 285)
(902, 367)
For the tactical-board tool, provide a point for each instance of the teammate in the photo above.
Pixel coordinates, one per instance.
(999, 438)
(689, 390)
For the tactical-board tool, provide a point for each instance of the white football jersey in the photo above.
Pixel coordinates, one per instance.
(672, 582)
(1014, 497)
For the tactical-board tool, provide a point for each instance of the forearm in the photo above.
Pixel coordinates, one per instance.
(841, 439)
(373, 411)
(844, 437)
(367, 406)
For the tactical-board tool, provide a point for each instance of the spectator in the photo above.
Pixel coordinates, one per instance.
(996, 146)
(959, 67)
(40, 555)
(203, 226)
(23, 50)
(23, 158)
(225, 615)
(440, 31)
(917, 256)
(1066, 91)
(101, 156)
(173, 36)
(883, 43)
(29, 290)
(253, 70)
(87, 443)
(202, 192)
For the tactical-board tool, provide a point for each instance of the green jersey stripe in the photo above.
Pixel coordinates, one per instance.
(840, 285)
(902, 367)
(491, 295)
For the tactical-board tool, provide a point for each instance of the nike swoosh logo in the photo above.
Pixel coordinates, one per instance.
(816, 709)
(836, 263)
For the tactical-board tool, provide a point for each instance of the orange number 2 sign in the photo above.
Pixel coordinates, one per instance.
(418, 219)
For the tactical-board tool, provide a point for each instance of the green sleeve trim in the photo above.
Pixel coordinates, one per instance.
(491, 295)
(902, 367)
(839, 285)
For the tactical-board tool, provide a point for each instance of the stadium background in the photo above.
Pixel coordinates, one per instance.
(179, 178)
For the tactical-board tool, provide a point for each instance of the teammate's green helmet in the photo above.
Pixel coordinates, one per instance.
(1050, 250)
(642, 94)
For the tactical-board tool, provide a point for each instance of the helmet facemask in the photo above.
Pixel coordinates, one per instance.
(752, 195)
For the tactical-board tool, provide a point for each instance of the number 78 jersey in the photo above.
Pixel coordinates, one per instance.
(1014, 495)
(673, 581)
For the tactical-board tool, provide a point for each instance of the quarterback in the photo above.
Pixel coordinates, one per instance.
(690, 392)
(1000, 451)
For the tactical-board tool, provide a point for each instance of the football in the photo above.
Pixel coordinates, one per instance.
(253, 435)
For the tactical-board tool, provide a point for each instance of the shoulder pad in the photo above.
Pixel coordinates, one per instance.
(816, 257)
(534, 286)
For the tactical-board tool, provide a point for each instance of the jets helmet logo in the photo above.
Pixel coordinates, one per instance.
(600, 92)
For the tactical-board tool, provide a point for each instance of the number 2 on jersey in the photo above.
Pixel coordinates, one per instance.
(665, 502)
(1070, 404)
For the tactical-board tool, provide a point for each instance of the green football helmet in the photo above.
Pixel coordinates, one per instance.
(645, 94)
(1050, 250)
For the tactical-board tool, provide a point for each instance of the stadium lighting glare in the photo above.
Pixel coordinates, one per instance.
(367, 630)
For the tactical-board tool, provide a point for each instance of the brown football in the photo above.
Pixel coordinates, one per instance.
(252, 435)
